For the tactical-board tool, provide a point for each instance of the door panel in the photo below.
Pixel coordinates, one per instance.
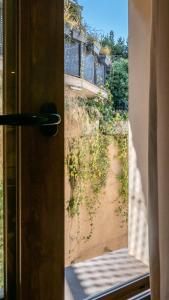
(41, 158)
(39, 77)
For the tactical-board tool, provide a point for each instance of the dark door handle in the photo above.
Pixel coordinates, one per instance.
(41, 119)
(47, 119)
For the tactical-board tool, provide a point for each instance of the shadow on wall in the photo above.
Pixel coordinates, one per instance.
(101, 273)
(138, 228)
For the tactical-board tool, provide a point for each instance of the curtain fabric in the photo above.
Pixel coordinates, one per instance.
(159, 152)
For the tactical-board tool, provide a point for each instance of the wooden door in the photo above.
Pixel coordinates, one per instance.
(34, 194)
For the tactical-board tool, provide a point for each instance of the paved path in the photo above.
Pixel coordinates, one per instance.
(100, 273)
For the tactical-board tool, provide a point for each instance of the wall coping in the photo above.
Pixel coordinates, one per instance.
(83, 87)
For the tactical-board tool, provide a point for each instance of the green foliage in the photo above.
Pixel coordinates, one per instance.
(118, 77)
(122, 210)
(122, 142)
(100, 109)
(88, 165)
(108, 40)
(118, 83)
(120, 135)
(119, 48)
(88, 160)
(73, 14)
(112, 124)
(99, 162)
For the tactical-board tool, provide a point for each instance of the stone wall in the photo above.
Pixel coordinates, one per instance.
(72, 58)
(83, 58)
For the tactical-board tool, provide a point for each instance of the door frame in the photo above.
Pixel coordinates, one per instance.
(10, 149)
(33, 164)
(24, 51)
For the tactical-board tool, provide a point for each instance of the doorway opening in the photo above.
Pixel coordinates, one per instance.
(106, 239)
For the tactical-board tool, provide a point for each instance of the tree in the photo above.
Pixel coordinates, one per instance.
(118, 49)
(118, 77)
(118, 84)
(108, 41)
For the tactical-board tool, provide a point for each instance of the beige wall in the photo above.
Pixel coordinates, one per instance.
(108, 234)
(139, 62)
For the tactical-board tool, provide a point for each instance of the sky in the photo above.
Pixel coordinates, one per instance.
(106, 15)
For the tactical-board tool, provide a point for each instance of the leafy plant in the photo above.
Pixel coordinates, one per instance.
(113, 125)
(73, 14)
(119, 48)
(105, 51)
(118, 83)
(88, 165)
(99, 162)
(87, 159)
(122, 210)
(74, 18)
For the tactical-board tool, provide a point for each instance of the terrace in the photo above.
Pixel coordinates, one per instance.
(85, 68)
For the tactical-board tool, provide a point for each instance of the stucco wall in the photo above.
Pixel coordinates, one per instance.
(139, 69)
(108, 234)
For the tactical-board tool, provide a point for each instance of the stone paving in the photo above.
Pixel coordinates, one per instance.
(89, 277)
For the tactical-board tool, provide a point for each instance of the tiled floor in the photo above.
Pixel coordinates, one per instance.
(100, 273)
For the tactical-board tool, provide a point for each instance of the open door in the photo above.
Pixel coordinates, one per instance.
(33, 157)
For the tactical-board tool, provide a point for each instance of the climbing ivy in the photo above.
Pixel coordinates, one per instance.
(88, 160)
(122, 210)
(88, 165)
(77, 167)
(99, 162)
(114, 125)
(120, 135)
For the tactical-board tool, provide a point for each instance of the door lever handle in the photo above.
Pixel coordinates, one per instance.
(47, 120)
(28, 119)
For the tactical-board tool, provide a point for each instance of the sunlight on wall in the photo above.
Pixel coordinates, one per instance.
(139, 76)
(138, 229)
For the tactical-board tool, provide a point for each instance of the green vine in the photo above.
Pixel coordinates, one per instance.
(88, 160)
(113, 124)
(88, 165)
(99, 162)
(122, 210)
